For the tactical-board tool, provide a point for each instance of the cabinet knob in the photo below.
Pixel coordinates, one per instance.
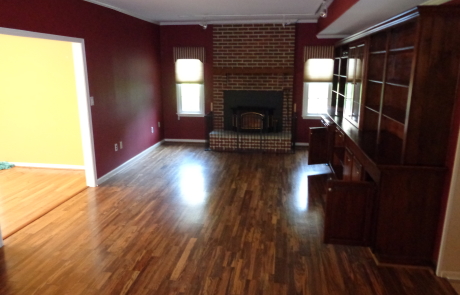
(330, 189)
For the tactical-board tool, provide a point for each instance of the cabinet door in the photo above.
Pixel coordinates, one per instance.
(357, 170)
(348, 212)
(318, 148)
(408, 203)
(347, 166)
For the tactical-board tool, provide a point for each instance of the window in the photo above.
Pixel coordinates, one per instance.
(317, 86)
(190, 87)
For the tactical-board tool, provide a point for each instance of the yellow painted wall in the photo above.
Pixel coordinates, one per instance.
(39, 120)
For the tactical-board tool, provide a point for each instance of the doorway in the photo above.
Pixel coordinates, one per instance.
(81, 108)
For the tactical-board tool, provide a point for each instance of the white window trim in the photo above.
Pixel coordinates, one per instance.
(305, 113)
(200, 113)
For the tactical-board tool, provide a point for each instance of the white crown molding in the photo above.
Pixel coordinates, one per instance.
(237, 22)
(122, 11)
(120, 168)
(185, 140)
(325, 36)
(50, 166)
(210, 22)
(307, 21)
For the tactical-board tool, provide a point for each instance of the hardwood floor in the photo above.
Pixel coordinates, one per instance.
(184, 221)
(28, 193)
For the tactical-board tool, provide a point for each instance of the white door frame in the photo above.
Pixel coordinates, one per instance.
(84, 108)
(449, 261)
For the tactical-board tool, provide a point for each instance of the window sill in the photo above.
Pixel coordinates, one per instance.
(312, 116)
(190, 115)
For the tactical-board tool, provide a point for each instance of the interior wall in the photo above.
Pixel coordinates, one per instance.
(193, 35)
(184, 36)
(38, 98)
(305, 36)
(123, 61)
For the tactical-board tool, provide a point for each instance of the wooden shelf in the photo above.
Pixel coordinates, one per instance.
(396, 84)
(373, 108)
(408, 48)
(252, 71)
(375, 81)
(378, 52)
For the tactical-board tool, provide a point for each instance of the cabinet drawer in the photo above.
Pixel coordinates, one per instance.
(339, 138)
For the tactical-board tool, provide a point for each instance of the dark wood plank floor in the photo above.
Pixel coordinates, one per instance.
(185, 221)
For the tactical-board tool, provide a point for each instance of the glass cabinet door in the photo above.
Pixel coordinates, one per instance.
(354, 84)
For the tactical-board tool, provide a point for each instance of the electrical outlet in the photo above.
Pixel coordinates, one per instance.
(159, 125)
(116, 147)
(121, 145)
(152, 129)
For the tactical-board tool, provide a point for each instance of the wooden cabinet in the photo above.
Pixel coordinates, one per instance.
(391, 130)
(348, 212)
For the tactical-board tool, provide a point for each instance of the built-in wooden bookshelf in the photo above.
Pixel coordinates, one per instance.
(389, 127)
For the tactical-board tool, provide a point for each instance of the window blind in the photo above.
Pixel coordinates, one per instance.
(318, 70)
(319, 63)
(189, 53)
(318, 52)
(189, 71)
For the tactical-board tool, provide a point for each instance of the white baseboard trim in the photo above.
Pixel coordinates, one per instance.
(120, 168)
(451, 275)
(185, 140)
(302, 144)
(51, 166)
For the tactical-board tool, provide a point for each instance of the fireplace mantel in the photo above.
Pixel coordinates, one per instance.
(253, 71)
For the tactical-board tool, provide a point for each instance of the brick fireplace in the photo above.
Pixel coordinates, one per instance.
(253, 57)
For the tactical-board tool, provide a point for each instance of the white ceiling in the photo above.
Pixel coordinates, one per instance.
(166, 12)
(169, 12)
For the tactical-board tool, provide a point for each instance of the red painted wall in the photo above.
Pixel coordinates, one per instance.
(305, 36)
(123, 69)
(186, 36)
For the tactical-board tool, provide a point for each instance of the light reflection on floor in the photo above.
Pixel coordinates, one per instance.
(192, 186)
(302, 193)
